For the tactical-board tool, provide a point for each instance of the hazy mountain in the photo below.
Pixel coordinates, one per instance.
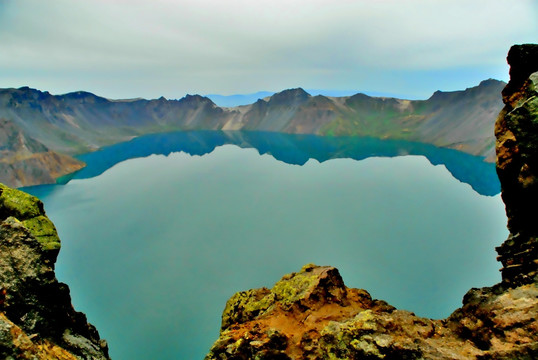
(246, 99)
(238, 99)
(79, 122)
(462, 120)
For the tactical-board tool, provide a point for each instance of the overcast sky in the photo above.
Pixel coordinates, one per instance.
(149, 48)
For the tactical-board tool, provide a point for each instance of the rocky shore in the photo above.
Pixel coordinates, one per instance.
(313, 315)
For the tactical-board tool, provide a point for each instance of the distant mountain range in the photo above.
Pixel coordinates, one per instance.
(40, 132)
(238, 99)
(245, 99)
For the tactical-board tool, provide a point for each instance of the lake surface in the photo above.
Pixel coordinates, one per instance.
(153, 246)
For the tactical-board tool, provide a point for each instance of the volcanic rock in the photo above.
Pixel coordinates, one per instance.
(37, 320)
(517, 166)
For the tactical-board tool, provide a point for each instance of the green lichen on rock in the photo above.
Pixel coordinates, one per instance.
(294, 287)
(364, 337)
(18, 204)
(245, 305)
(29, 211)
(37, 318)
(44, 231)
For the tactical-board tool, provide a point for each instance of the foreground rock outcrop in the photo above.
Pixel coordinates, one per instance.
(37, 320)
(313, 315)
(517, 166)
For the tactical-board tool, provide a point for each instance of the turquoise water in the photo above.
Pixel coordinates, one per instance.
(153, 247)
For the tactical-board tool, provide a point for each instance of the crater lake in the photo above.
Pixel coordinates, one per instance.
(158, 232)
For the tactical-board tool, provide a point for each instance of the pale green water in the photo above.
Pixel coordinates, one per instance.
(153, 247)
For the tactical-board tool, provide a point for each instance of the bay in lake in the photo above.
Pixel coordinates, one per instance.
(153, 246)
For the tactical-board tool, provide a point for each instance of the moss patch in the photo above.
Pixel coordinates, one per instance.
(29, 211)
(18, 204)
(44, 231)
(291, 289)
(246, 305)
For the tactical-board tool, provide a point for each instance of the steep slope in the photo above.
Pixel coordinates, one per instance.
(81, 122)
(25, 161)
(37, 320)
(313, 315)
(461, 120)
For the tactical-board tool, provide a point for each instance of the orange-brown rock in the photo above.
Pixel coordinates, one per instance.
(313, 315)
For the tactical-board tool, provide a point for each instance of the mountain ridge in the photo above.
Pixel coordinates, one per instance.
(81, 122)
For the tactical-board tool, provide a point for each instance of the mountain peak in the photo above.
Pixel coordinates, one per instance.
(489, 85)
(83, 97)
(27, 93)
(289, 97)
(491, 82)
(196, 100)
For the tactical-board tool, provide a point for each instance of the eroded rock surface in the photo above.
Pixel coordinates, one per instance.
(37, 320)
(313, 315)
(517, 166)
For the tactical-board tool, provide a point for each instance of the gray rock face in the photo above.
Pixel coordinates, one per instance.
(517, 165)
(37, 320)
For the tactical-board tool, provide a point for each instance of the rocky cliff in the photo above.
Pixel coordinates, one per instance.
(313, 315)
(82, 122)
(517, 166)
(37, 320)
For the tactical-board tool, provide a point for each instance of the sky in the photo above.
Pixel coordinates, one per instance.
(151, 48)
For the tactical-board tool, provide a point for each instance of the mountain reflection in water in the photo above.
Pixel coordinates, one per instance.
(293, 149)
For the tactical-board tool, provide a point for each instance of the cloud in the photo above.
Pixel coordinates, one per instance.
(246, 45)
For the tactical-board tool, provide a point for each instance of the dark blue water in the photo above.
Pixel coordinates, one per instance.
(293, 149)
(152, 247)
